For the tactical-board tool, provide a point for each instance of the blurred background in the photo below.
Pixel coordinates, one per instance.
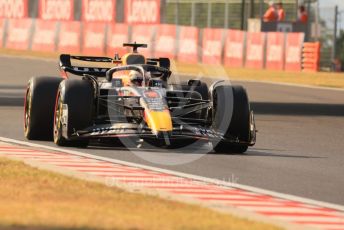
(324, 23)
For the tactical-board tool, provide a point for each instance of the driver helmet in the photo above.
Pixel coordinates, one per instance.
(135, 77)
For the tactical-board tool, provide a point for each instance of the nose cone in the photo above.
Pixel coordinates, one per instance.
(158, 121)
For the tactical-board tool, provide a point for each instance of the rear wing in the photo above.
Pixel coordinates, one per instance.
(66, 66)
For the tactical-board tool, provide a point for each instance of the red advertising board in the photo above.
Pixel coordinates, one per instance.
(255, 50)
(117, 35)
(293, 51)
(2, 31)
(143, 34)
(93, 38)
(44, 36)
(188, 44)
(99, 10)
(212, 46)
(234, 48)
(13, 8)
(18, 34)
(165, 41)
(56, 10)
(69, 37)
(275, 51)
(142, 11)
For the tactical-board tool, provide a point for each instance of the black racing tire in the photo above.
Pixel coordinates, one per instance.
(239, 125)
(78, 96)
(202, 89)
(39, 107)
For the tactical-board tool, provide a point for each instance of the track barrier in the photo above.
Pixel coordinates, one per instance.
(232, 48)
(311, 56)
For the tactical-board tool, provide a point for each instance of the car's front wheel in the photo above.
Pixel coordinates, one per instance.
(232, 117)
(73, 112)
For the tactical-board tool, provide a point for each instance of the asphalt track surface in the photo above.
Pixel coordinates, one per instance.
(299, 151)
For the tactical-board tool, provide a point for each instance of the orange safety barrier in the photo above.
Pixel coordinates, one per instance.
(56, 10)
(188, 44)
(93, 38)
(68, 40)
(19, 33)
(293, 51)
(142, 12)
(311, 56)
(165, 41)
(98, 11)
(144, 34)
(43, 39)
(117, 34)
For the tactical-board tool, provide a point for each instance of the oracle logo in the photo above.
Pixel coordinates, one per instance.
(69, 38)
(94, 40)
(255, 52)
(142, 11)
(212, 48)
(188, 46)
(13, 8)
(165, 44)
(56, 9)
(234, 50)
(99, 10)
(293, 54)
(18, 35)
(275, 53)
(44, 37)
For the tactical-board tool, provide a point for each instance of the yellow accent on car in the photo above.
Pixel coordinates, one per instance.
(159, 120)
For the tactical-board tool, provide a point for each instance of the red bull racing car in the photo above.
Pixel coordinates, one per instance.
(134, 99)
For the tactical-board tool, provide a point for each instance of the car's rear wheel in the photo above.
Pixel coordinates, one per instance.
(39, 107)
(238, 127)
(73, 112)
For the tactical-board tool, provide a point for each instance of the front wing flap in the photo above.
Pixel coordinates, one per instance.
(135, 130)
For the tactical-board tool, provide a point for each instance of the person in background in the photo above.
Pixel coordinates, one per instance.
(280, 12)
(337, 65)
(271, 13)
(303, 16)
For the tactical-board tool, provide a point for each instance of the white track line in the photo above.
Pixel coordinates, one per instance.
(184, 175)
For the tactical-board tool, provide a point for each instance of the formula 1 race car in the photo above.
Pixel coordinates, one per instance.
(133, 98)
